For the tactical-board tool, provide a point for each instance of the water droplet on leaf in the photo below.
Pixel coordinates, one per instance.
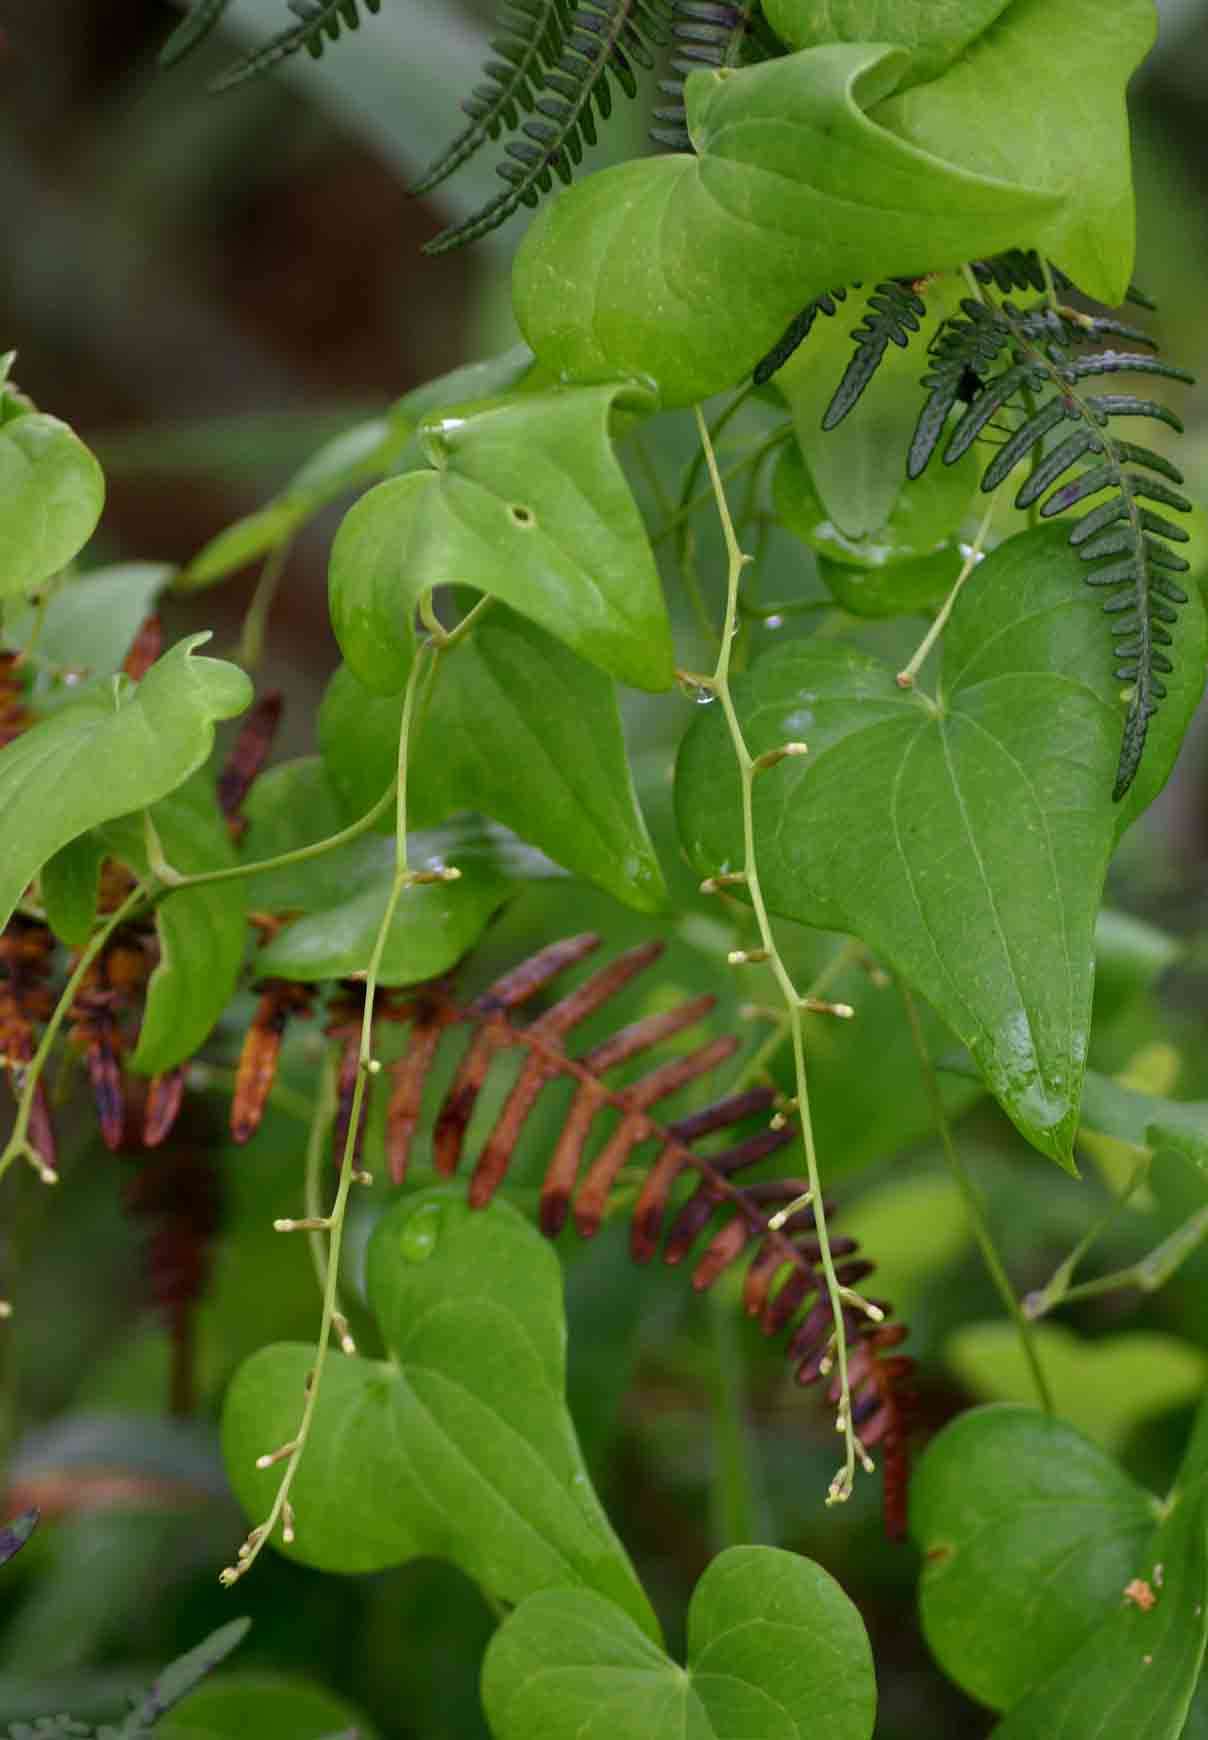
(420, 1234)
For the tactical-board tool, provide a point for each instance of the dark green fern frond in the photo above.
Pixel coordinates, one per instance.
(963, 352)
(604, 38)
(795, 334)
(532, 38)
(1020, 269)
(892, 315)
(192, 30)
(320, 22)
(1125, 541)
(704, 33)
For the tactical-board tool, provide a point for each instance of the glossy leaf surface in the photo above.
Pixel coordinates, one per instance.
(459, 1446)
(966, 843)
(776, 1651)
(434, 925)
(115, 750)
(51, 495)
(685, 270)
(1137, 1673)
(528, 504)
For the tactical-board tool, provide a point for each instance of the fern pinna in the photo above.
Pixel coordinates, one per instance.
(559, 62)
(318, 22)
(756, 1222)
(1037, 362)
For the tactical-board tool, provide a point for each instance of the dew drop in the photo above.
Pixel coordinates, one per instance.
(704, 697)
(421, 1232)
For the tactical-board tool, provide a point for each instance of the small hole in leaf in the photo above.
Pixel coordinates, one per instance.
(522, 516)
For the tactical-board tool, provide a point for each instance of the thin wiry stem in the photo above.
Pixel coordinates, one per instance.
(281, 1510)
(843, 1482)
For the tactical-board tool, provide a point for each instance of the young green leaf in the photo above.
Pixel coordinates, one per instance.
(1029, 1535)
(51, 495)
(685, 270)
(776, 1651)
(965, 841)
(458, 1446)
(114, 750)
(516, 727)
(202, 931)
(529, 504)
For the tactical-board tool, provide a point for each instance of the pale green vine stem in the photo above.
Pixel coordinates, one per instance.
(974, 1209)
(333, 1224)
(18, 1145)
(749, 767)
(251, 637)
(973, 557)
(319, 1129)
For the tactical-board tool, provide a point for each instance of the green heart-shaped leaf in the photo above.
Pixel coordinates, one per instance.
(776, 1651)
(966, 841)
(51, 495)
(1039, 99)
(459, 1445)
(519, 729)
(1029, 1534)
(117, 749)
(684, 270)
(528, 504)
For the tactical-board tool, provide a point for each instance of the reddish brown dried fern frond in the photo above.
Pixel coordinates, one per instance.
(280, 1001)
(26, 958)
(249, 752)
(784, 1286)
